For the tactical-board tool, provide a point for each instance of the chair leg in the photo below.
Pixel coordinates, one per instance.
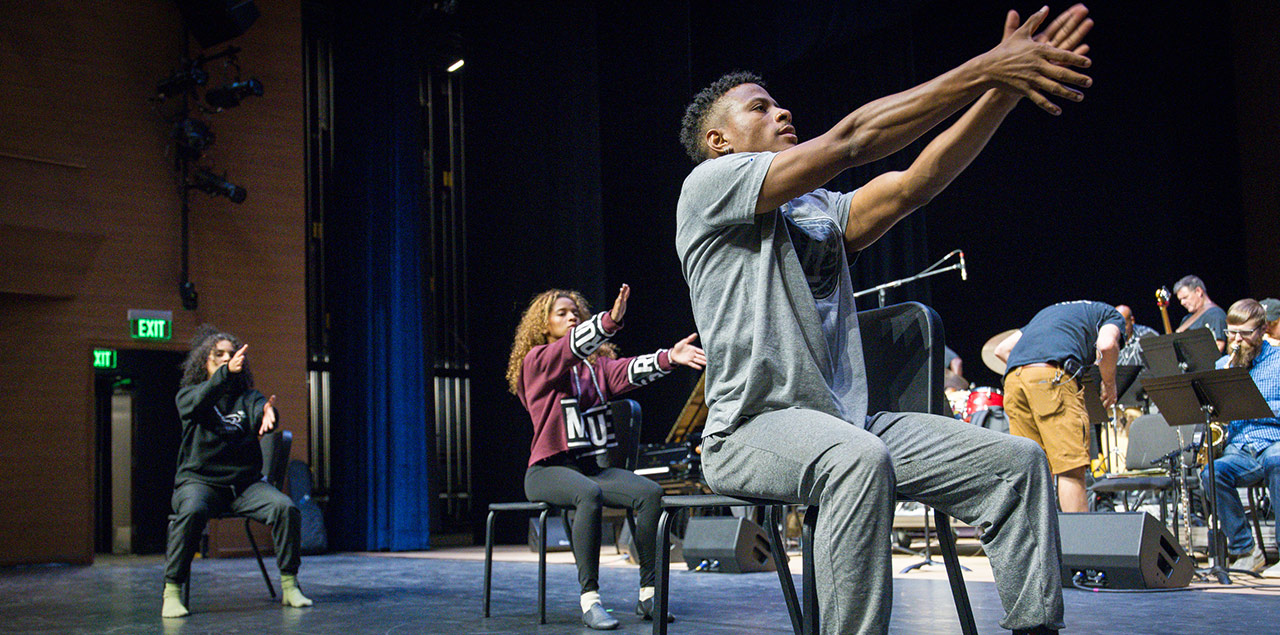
(1257, 525)
(809, 577)
(774, 519)
(955, 575)
(542, 567)
(663, 565)
(488, 559)
(262, 567)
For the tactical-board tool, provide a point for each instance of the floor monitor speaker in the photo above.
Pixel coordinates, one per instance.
(726, 544)
(1130, 550)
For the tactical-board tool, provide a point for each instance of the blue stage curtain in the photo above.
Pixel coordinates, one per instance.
(381, 419)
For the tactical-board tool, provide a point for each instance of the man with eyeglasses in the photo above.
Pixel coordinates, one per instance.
(1252, 454)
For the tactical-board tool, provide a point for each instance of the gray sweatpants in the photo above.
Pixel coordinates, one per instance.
(991, 480)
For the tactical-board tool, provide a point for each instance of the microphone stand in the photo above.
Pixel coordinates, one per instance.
(929, 271)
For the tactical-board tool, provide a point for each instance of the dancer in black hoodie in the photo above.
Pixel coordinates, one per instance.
(220, 464)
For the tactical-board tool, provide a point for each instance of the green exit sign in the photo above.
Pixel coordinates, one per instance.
(104, 358)
(150, 325)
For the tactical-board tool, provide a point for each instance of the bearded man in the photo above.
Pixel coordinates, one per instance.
(1252, 454)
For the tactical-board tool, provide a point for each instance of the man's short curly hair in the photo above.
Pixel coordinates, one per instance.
(694, 125)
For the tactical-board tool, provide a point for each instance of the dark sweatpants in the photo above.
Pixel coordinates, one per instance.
(195, 503)
(567, 485)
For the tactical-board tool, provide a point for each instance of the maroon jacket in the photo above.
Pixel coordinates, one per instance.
(548, 372)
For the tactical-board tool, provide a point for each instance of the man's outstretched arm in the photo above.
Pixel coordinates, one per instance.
(890, 197)
(1021, 65)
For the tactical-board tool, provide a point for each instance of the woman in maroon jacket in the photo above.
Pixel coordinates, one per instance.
(564, 370)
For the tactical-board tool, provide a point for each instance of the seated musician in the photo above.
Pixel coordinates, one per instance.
(564, 370)
(1252, 454)
(1201, 311)
(1131, 354)
(1272, 331)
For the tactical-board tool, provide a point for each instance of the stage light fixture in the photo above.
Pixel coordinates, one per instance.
(181, 81)
(455, 66)
(229, 96)
(193, 137)
(212, 184)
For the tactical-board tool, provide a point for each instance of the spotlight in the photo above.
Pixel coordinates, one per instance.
(215, 185)
(183, 80)
(193, 137)
(455, 66)
(229, 96)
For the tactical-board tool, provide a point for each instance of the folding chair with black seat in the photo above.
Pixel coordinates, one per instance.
(1153, 443)
(903, 343)
(627, 421)
(275, 456)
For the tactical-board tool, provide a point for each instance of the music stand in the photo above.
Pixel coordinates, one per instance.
(1198, 398)
(1091, 383)
(1185, 352)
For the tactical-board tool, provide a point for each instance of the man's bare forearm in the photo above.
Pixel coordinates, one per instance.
(890, 123)
(953, 150)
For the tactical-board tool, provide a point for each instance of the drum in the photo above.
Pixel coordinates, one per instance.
(981, 399)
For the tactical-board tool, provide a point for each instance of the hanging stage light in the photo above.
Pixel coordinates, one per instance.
(180, 81)
(229, 96)
(193, 137)
(212, 184)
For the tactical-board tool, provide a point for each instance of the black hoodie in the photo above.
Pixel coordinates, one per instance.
(220, 420)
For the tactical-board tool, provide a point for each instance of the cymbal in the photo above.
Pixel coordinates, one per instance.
(989, 351)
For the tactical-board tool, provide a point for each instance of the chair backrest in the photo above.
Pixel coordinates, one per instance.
(626, 427)
(1150, 438)
(902, 345)
(275, 456)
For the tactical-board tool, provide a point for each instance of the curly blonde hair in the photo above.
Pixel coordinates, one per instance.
(532, 331)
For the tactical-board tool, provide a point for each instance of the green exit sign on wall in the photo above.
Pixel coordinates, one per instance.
(104, 358)
(150, 325)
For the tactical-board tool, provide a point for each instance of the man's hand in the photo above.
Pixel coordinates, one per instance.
(1108, 394)
(268, 417)
(620, 304)
(237, 361)
(1030, 67)
(1066, 32)
(686, 353)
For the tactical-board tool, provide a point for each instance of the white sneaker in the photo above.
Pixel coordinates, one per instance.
(1255, 561)
(1273, 572)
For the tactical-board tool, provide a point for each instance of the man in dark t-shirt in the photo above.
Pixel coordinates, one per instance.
(1201, 311)
(1043, 398)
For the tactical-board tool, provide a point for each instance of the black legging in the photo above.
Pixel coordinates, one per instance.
(587, 488)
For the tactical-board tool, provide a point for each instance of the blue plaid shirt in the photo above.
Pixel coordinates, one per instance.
(1258, 434)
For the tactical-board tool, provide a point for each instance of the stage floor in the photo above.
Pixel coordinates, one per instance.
(439, 592)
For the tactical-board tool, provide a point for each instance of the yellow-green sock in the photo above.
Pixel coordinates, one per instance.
(290, 594)
(173, 606)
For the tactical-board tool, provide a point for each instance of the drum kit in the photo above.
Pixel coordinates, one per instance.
(966, 403)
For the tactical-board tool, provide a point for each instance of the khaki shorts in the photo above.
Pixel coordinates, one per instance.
(1050, 414)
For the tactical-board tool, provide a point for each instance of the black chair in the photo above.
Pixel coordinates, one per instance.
(626, 423)
(902, 348)
(1151, 441)
(275, 456)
